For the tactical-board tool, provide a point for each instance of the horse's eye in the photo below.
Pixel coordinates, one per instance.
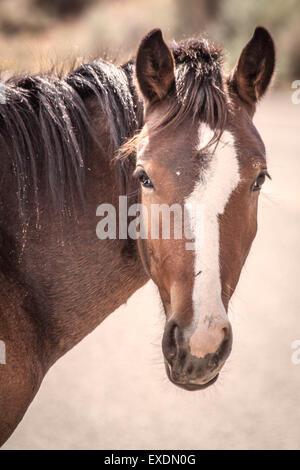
(259, 182)
(144, 179)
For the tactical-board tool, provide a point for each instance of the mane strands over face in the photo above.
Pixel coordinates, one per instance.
(199, 92)
(199, 82)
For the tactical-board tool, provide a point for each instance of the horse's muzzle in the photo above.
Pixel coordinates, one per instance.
(186, 370)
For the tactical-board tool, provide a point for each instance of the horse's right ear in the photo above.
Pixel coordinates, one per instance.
(154, 67)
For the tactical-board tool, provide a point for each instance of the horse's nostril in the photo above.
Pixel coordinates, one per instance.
(170, 341)
(172, 354)
(225, 346)
(226, 331)
(173, 342)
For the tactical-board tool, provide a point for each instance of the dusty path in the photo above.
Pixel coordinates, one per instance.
(111, 391)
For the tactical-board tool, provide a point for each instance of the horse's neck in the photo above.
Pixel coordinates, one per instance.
(71, 280)
(90, 277)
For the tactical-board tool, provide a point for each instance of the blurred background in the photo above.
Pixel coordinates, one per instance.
(34, 33)
(111, 391)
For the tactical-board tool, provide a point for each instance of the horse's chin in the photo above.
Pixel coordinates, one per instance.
(190, 386)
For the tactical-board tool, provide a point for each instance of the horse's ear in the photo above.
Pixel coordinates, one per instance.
(155, 67)
(253, 72)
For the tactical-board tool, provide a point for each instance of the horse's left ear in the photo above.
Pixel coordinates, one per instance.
(155, 67)
(253, 72)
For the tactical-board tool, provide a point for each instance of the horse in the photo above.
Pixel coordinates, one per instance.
(167, 127)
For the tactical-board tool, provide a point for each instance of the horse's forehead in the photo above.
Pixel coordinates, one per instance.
(171, 146)
(186, 147)
(171, 140)
(204, 172)
(219, 178)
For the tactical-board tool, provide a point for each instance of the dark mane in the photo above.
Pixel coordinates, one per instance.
(46, 128)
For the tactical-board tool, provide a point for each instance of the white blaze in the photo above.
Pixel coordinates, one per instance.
(212, 192)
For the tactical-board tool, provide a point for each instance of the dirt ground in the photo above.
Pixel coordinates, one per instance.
(111, 391)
